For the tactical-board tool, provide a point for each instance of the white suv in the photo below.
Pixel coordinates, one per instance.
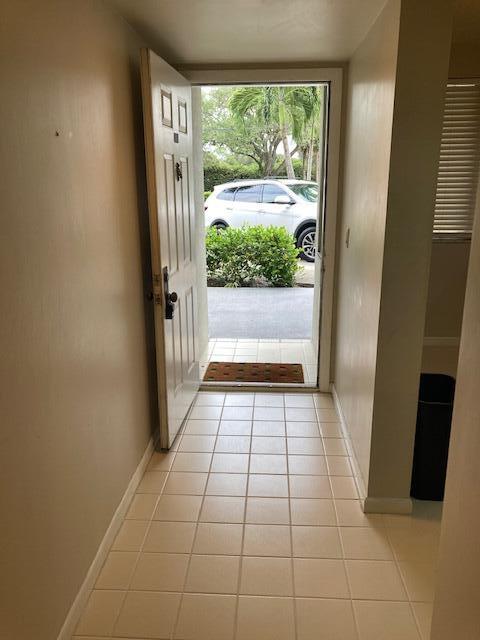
(280, 203)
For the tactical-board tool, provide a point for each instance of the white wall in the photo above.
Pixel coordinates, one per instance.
(446, 289)
(74, 343)
(371, 92)
(446, 293)
(449, 262)
(393, 136)
(457, 597)
(422, 72)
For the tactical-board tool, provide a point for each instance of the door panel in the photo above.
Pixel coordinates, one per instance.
(169, 207)
(168, 146)
(188, 222)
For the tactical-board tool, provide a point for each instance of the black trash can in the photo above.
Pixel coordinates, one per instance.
(434, 417)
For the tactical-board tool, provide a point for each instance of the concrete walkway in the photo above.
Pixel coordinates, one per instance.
(260, 313)
(306, 275)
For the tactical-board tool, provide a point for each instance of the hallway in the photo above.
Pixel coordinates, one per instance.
(251, 529)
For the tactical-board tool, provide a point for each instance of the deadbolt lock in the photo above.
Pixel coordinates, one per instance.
(178, 171)
(170, 298)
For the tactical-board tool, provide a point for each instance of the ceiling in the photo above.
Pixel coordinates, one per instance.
(247, 31)
(466, 22)
(189, 32)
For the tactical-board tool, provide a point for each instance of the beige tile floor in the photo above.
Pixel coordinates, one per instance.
(250, 529)
(284, 351)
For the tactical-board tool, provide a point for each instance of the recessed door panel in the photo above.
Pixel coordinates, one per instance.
(171, 214)
(177, 346)
(167, 111)
(187, 211)
(182, 116)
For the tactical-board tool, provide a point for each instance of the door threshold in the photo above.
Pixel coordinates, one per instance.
(259, 387)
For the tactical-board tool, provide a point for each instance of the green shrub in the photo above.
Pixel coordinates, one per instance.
(251, 256)
(206, 194)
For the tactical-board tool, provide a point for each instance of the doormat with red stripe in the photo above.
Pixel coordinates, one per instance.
(254, 372)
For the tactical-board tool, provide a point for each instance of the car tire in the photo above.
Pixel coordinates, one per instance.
(220, 226)
(306, 244)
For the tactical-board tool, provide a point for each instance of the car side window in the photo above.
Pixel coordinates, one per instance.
(227, 194)
(250, 193)
(270, 192)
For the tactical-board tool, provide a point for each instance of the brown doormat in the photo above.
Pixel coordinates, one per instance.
(254, 372)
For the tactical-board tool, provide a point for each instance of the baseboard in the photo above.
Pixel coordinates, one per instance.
(441, 341)
(81, 598)
(401, 506)
(357, 475)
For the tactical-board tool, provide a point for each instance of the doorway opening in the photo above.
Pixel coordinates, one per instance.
(264, 151)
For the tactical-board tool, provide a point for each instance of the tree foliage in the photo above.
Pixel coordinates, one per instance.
(248, 124)
(230, 136)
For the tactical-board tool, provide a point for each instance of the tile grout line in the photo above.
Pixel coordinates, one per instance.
(142, 544)
(292, 563)
(344, 560)
(395, 560)
(240, 563)
(197, 523)
(404, 584)
(139, 551)
(300, 346)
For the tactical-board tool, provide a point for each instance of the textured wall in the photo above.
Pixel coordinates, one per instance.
(457, 598)
(371, 90)
(74, 374)
(422, 72)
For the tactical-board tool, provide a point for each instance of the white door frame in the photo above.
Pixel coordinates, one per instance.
(334, 76)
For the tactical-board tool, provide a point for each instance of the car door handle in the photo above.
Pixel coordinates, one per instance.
(229, 208)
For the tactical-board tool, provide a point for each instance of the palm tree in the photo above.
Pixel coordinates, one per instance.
(308, 138)
(282, 109)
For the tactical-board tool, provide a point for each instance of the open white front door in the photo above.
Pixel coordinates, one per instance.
(168, 147)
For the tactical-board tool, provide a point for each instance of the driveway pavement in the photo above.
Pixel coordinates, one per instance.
(284, 313)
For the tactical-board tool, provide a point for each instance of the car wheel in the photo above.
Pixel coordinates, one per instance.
(220, 226)
(306, 243)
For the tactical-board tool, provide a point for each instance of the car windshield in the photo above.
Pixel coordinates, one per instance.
(308, 192)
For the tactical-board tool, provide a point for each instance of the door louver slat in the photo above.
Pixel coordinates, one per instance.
(459, 162)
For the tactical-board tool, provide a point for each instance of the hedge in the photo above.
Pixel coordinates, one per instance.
(219, 171)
